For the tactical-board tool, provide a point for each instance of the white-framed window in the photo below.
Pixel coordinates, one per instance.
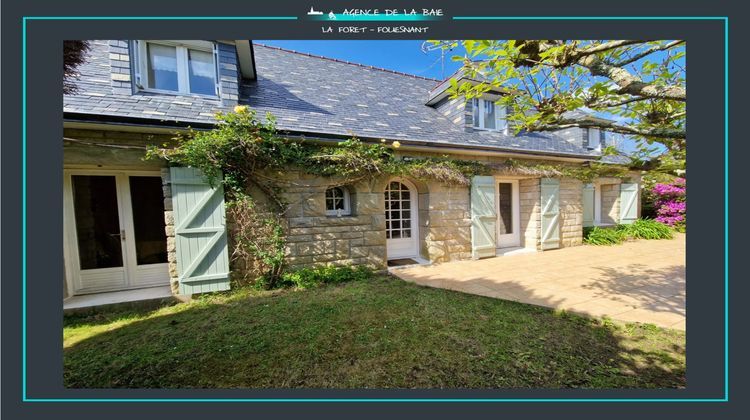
(594, 138)
(184, 67)
(338, 202)
(487, 115)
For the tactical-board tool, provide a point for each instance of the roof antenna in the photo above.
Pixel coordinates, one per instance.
(443, 46)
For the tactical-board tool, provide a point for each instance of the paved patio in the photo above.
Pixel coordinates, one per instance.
(640, 281)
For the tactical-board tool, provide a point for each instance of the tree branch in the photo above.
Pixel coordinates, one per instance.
(607, 46)
(630, 84)
(656, 132)
(614, 104)
(647, 52)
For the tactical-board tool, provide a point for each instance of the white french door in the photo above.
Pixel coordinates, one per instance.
(508, 212)
(401, 220)
(114, 231)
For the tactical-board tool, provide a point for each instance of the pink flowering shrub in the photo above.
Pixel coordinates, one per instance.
(670, 202)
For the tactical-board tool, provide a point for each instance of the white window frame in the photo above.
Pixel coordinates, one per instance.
(500, 121)
(346, 211)
(183, 71)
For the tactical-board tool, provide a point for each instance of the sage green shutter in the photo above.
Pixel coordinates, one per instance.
(550, 213)
(483, 217)
(588, 204)
(200, 233)
(628, 203)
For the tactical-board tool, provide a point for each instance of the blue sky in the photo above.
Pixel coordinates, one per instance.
(403, 56)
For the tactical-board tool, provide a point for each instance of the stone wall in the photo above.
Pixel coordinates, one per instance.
(169, 230)
(610, 203)
(571, 212)
(530, 212)
(315, 238)
(445, 219)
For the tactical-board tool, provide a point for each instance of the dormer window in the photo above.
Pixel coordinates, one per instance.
(487, 115)
(185, 67)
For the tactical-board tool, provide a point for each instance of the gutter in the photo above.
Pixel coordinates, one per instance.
(147, 125)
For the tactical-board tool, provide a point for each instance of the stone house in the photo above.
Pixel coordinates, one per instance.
(132, 223)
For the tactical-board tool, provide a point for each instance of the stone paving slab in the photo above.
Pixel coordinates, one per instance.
(638, 281)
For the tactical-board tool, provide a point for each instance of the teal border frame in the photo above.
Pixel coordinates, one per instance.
(725, 398)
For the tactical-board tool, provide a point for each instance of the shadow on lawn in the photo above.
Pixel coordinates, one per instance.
(382, 333)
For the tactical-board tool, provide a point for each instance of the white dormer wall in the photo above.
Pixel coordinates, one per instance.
(452, 109)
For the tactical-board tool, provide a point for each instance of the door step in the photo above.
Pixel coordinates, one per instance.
(399, 263)
(501, 252)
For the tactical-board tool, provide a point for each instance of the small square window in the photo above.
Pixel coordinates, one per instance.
(337, 202)
(186, 67)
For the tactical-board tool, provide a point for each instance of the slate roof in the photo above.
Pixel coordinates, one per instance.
(311, 95)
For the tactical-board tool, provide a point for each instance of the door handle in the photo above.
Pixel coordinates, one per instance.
(121, 234)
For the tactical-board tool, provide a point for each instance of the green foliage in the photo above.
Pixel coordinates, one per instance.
(640, 229)
(258, 241)
(313, 277)
(647, 229)
(582, 173)
(240, 146)
(596, 235)
(542, 80)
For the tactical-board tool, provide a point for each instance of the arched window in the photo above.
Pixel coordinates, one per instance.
(337, 202)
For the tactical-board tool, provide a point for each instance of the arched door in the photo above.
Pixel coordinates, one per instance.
(401, 219)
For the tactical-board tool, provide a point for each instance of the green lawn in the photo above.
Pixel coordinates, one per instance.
(379, 333)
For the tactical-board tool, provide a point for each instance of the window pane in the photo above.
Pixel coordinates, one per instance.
(475, 111)
(162, 67)
(505, 205)
(201, 72)
(489, 115)
(406, 233)
(338, 204)
(329, 204)
(98, 221)
(593, 137)
(501, 114)
(148, 219)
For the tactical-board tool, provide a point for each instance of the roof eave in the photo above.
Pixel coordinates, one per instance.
(135, 124)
